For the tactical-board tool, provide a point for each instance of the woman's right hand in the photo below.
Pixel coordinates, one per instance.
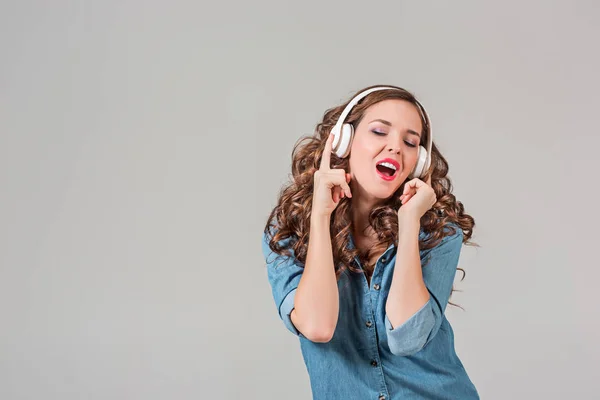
(330, 185)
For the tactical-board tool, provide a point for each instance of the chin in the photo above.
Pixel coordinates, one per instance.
(381, 192)
(377, 187)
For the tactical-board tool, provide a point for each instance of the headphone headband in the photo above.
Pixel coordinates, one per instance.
(338, 125)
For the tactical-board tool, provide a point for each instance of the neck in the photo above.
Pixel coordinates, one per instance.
(362, 204)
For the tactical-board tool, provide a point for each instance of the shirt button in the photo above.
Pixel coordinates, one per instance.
(376, 286)
(369, 324)
(374, 363)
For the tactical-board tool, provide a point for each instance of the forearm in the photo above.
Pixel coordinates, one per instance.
(408, 293)
(316, 303)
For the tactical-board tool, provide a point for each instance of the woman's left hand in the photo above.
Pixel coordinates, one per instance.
(417, 198)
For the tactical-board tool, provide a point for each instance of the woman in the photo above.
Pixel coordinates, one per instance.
(362, 249)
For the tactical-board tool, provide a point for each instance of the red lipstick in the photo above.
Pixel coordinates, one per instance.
(394, 170)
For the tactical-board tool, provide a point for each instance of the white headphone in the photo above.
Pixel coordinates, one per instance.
(344, 133)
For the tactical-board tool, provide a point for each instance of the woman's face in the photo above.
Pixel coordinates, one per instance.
(389, 131)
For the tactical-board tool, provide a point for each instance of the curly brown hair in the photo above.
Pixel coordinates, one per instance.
(291, 215)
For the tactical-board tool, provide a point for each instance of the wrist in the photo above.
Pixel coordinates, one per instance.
(320, 219)
(408, 222)
(406, 217)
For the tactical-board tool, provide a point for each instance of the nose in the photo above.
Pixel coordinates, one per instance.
(394, 150)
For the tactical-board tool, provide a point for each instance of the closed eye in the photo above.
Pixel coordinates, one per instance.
(378, 133)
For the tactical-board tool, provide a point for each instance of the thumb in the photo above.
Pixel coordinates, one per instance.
(348, 177)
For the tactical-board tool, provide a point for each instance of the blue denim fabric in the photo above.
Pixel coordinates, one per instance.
(367, 358)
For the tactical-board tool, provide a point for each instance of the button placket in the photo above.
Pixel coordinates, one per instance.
(378, 272)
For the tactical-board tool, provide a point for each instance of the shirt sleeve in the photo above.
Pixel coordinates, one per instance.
(439, 269)
(283, 273)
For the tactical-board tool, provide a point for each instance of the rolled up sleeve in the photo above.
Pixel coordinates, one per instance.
(283, 273)
(439, 266)
(411, 336)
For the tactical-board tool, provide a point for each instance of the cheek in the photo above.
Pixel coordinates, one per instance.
(357, 156)
(411, 158)
(363, 149)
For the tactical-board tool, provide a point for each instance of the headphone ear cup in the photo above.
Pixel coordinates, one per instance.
(419, 170)
(345, 141)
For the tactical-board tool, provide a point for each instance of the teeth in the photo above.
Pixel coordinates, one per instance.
(387, 164)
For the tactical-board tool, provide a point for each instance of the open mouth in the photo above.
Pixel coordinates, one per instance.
(387, 169)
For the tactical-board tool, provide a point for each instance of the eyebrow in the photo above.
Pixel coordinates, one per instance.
(388, 123)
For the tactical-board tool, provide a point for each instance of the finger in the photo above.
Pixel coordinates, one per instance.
(335, 179)
(413, 185)
(417, 183)
(344, 185)
(348, 177)
(408, 192)
(326, 157)
(336, 193)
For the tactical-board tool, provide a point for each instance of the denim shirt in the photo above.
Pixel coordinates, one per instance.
(367, 358)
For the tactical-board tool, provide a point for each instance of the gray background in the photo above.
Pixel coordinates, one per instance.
(142, 145)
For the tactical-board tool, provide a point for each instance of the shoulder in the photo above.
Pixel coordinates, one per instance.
(453, 234)
(451, 241)
(444, 256)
